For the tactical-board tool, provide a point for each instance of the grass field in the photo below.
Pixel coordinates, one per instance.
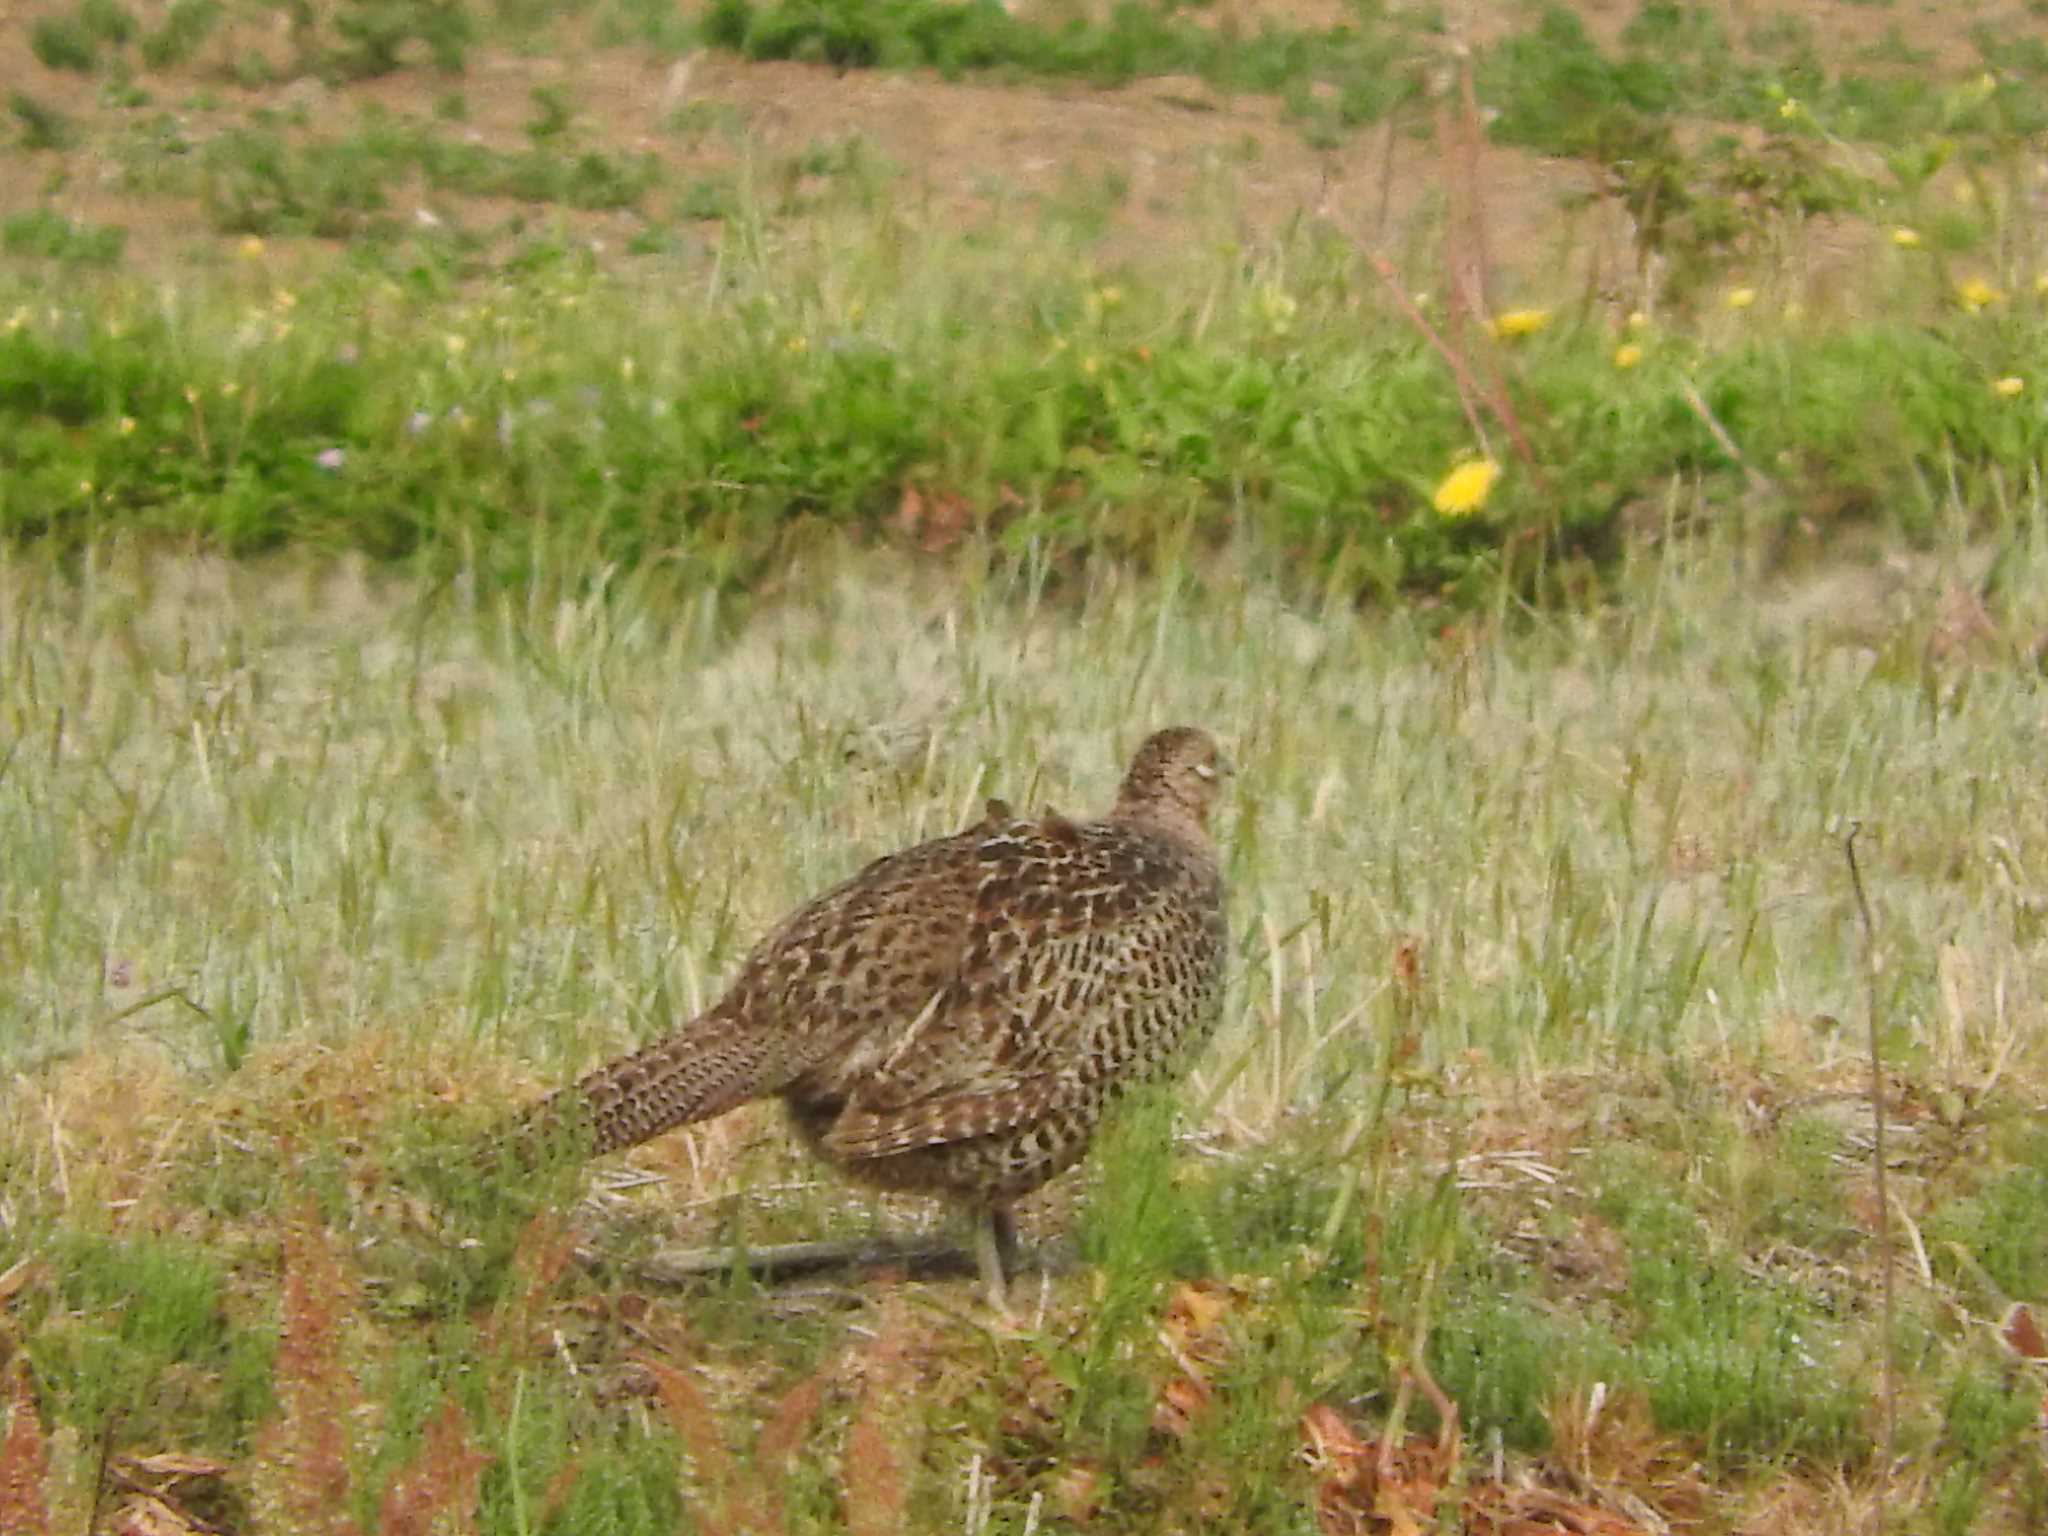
(503, 504)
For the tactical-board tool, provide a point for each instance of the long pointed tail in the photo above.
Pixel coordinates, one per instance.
(707, 1067)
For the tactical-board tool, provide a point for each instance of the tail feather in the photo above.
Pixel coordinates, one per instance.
(700, 1071)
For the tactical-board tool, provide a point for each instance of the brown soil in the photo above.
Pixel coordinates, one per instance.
(1184, 160)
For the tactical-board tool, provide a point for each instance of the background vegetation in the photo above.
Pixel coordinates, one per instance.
(1805, 285)
(502, 502)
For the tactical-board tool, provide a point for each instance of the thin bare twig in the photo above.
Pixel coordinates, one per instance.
(1467, 139)
(161, 995)
(776, 1261)
(1461, 133)
(1758, 480)
(1468, 387)
(1871, 965)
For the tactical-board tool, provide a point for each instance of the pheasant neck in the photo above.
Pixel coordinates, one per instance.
(1156, 813)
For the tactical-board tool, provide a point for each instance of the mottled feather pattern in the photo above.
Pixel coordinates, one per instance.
(957, 1017)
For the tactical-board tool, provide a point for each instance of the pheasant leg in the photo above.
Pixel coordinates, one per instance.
(995, 1251)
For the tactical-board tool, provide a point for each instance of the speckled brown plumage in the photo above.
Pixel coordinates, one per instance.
(956, 1017)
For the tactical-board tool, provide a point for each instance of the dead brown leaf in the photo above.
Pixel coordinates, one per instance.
(18, 1277)
(1493, 1509)
(1179, 1404)
(1195, 1337)
(2022, 1333)
(1329, 1438)
(1368, 1488)
(1077, 1492)
(1033, 1406)
(1408, 962)
(171, 1467)
(145, 1514)
(936, 521)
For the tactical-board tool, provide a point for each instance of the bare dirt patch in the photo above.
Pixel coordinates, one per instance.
(1153, 166)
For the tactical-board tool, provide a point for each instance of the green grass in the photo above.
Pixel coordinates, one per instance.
(393, 407)
(60, 239)
(138, 1336)
(703, 364)
(423, 846)
(260, 180)
(1556, 88)
(1367, 64)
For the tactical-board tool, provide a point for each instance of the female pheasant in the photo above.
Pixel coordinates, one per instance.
(956, 1018)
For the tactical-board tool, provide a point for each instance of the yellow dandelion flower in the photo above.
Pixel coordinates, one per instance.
(19, 318)
(1090, 366)
(286, 299)
(85, 487)
(1638, 320)
(1465, 489)
(1519, 322)
(2009, 386)
(251, 249)
(626, 369)
(1789, 107)
(2041, 282)
(1277, 307)
(1974, 294)
(127, 426)
(456, 345)
(1101, 300)
(1627, 355)
(509, 376)
(1905, 239)
(796, 344)
(1740, 298)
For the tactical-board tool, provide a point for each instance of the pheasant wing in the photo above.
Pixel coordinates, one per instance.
(1089, 953)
